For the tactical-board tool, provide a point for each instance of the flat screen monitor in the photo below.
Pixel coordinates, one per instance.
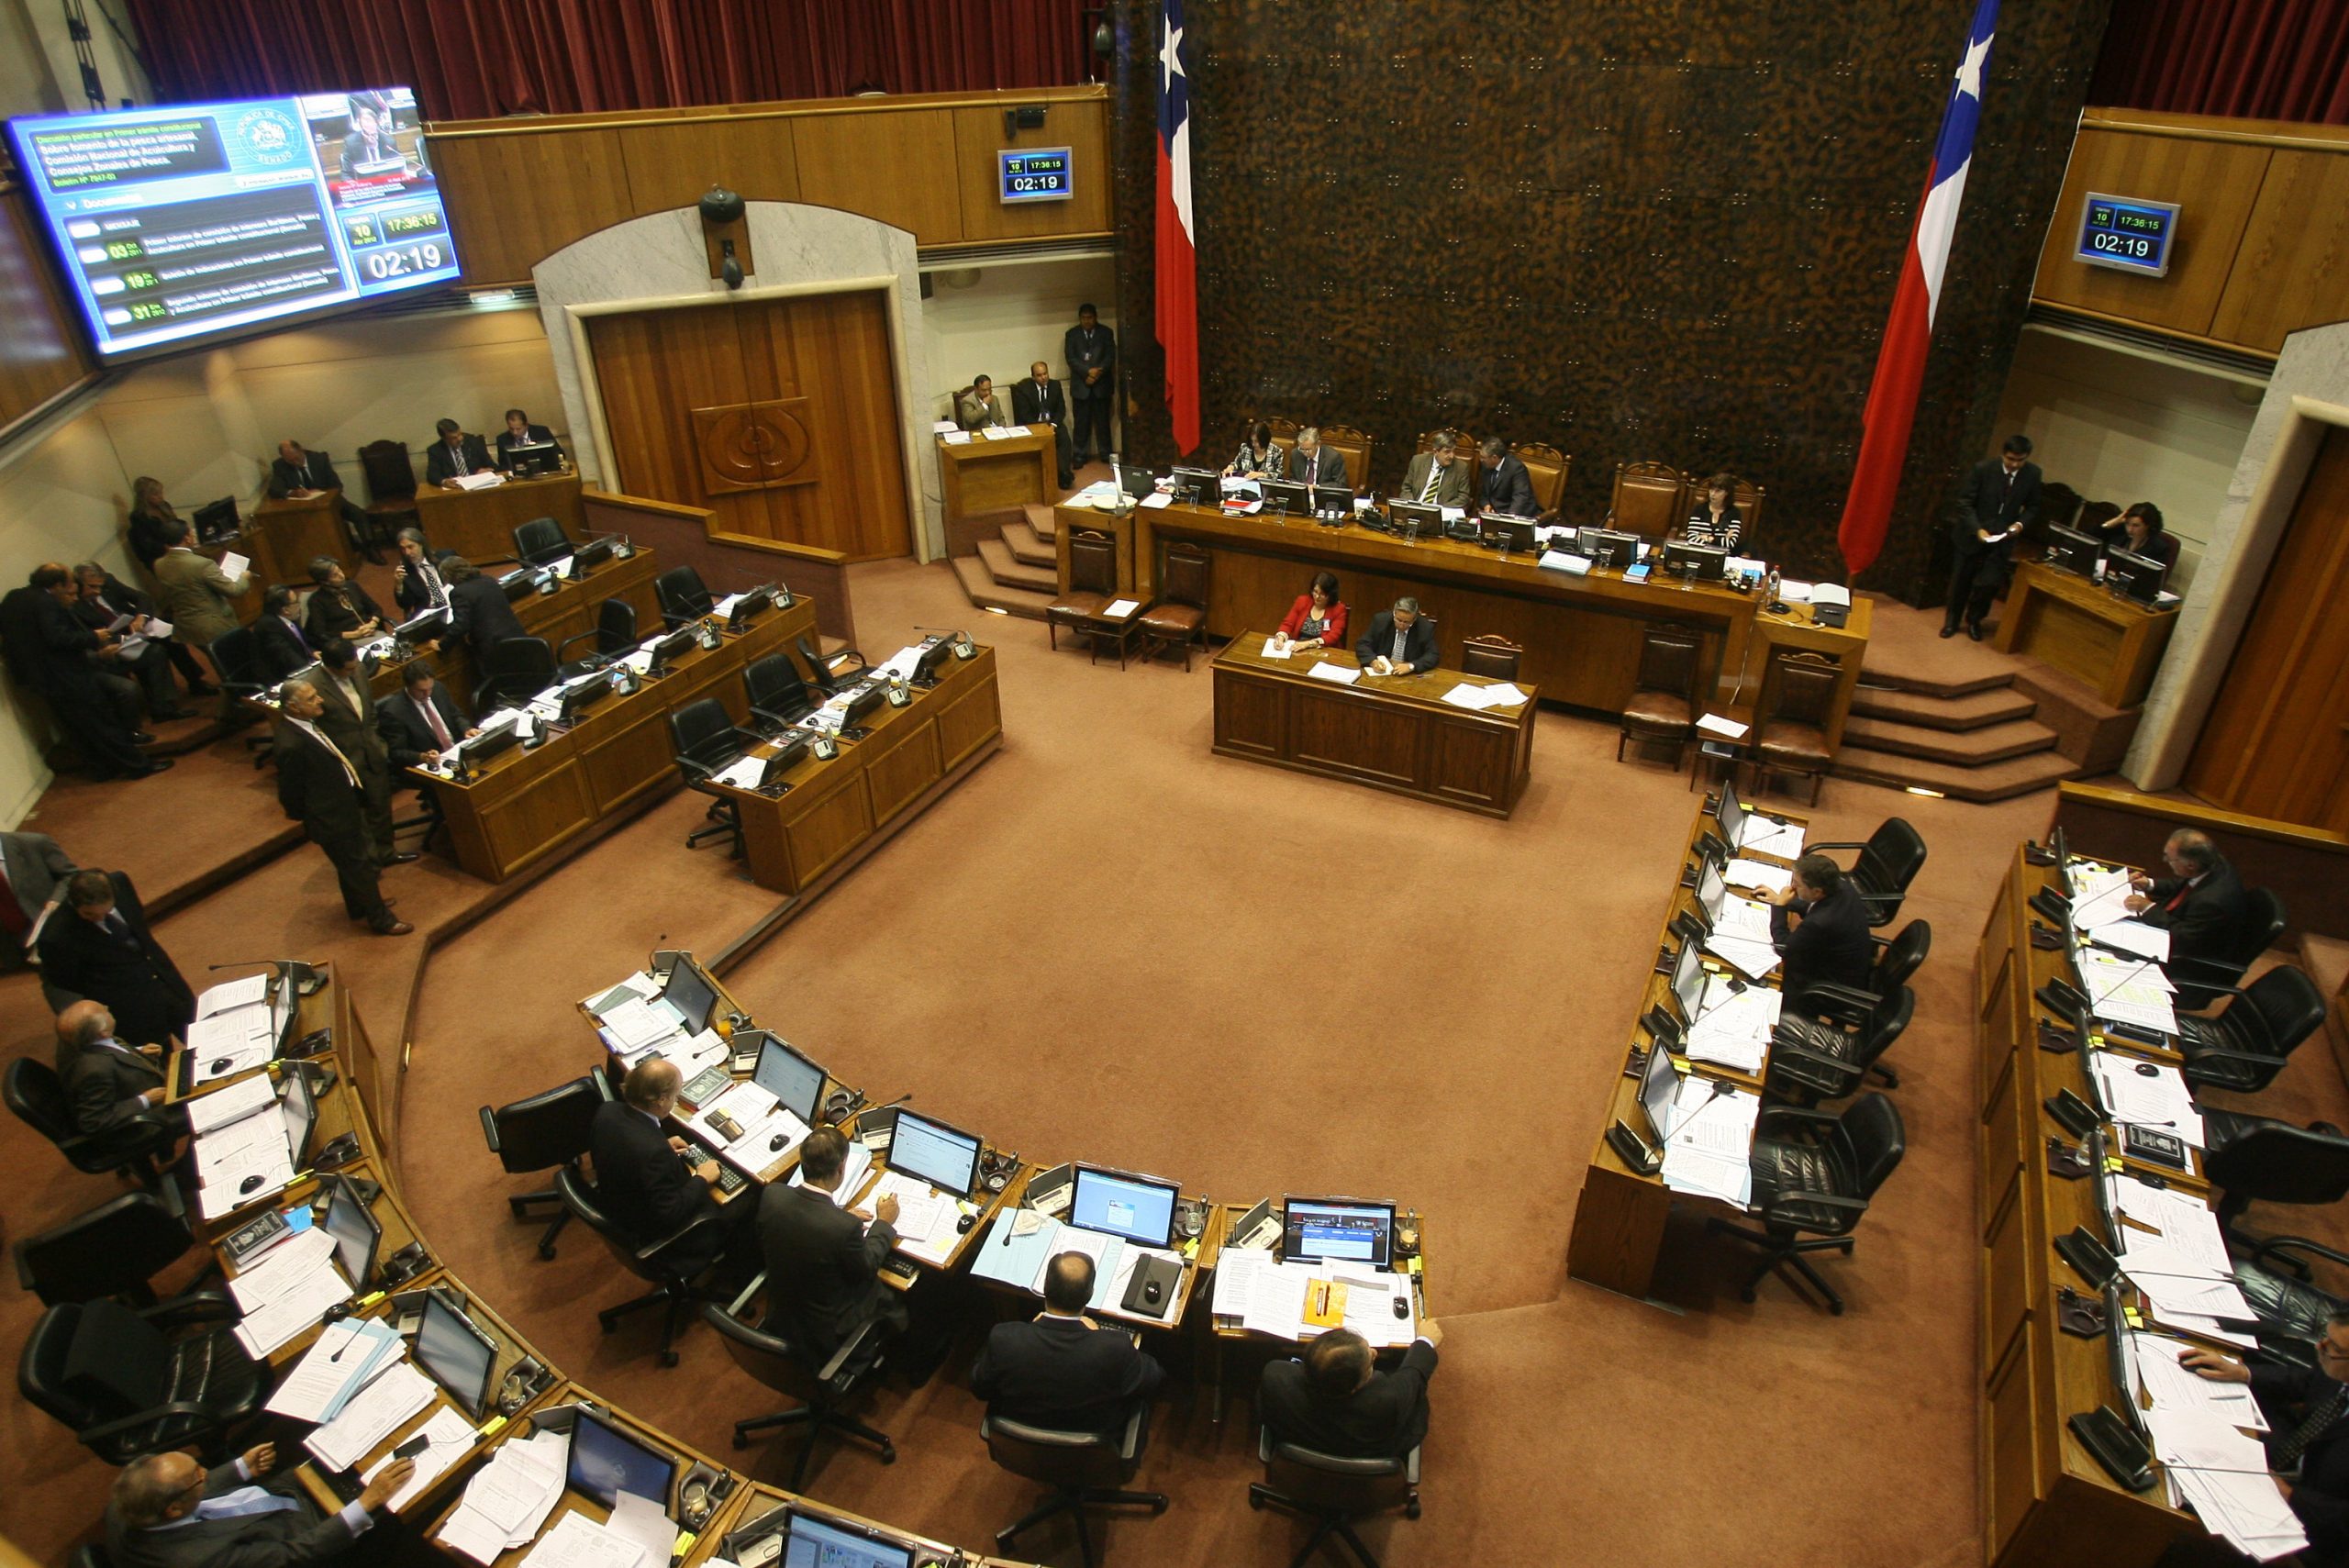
(2119, 1351)
(2137, 576)
(595, 552)
(796, 1082)
(1404, 513)
(1659, 1083)
(215, 520)
(457, 1354)
(749, 607)
(499, 732)
(1698, 562)
(299, 1107)
(785, 758)
(532, 457)
(933, 659)
(1710, 890)
(1731, 814)
(1196, 485)
(2071, 550)
(1336, 1230)
(813, 1542)
(605, 1463)
(1329, 498)
(681, 641)
(690, 992)
(945, 1157)
(1689, 980)
(864, 703)
(356, 1233)
(1290, 497)
(424, 626)
(1609, 549)
(188, 224)
(1139, 1208)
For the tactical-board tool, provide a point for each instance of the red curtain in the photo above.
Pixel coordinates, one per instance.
(2273, 59)
(481, 58)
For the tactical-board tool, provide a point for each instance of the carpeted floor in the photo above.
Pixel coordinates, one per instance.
(1109, 944)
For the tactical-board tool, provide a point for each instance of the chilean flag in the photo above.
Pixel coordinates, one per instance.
(1900, 364)
(1178, 259)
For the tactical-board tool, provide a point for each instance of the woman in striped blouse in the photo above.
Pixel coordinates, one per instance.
(1716, 522)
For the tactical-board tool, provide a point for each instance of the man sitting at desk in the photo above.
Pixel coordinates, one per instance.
(1313, 463)
(1335, 1401)
(168, 1512)
(652, 1183)
(1819, 923)
(100, 946)
(1400, 643)
(2309, 1447)
(1434, 477)
(299, 473)
(1509, 484)
(283, 646)
(107, 1081)
(455, 455)
(521, 432)
(1062, 1370)
(823, 1264)
(417, 583)
(977, 409)
(2199, 904)
(420, 721)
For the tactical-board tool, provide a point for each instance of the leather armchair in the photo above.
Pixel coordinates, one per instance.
(821, 1391)
(1092, 584)
(1813, 1175)
(1333, 1491)
(132, 1382)
(539, 541)
(2245, 1045)
(2261, 1158)
(546, 1129)
(112, 1251)
(654, 1261)
(683, 597)
(2291, 1310)
(778, 698)
(2201, 980)
(1180, 616)
(1887, 863)
(1662, 709)
(136, 1147)
(518, 669)
(1815, 1060)
(1082, 1468)
(1792, 736)
(706, 744)
(613, 634)
(1493, 656)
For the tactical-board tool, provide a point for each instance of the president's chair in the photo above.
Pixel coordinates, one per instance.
(2265, 1160)
(613, 634)
(112, 1251)
(1649, 498)
(136, 1148)
(822, 1392)
(1813, 1175)
(1092, 584)
(1887, 863)
(1179, 618)
(2245, 1045)
(1493, 656)
(1548, 468)
(130, 1382)
(706, 744)
(1662, 709)
(547, 1129)
(2201, 980)
(684, 596)
(1333, 1492)
(1082, 1468)
(654, 1261)
(1828, 1040)
(539, 541)
(778, 698)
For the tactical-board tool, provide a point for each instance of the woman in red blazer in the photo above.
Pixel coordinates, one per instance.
(1317, 617)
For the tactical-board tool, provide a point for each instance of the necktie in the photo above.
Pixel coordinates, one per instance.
(437, 595)
(1401, 637)
(2322, 1415)
(2177, 899)
(350, 774)
(1435, 477)
(116, 926)
(296, 627)
(432, 719)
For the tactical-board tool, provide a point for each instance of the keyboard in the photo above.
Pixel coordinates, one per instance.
(729, 1180)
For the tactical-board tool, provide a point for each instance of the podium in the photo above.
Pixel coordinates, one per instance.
(479, 524)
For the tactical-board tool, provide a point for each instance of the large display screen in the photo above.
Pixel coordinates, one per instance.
(190, 223)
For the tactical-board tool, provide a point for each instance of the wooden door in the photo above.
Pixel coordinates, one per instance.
(779, 414)
(2276, 742)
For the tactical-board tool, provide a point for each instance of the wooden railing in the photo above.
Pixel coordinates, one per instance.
(689, 536)
(2308, 868)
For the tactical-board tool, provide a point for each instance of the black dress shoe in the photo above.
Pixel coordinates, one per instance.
(140, 738)
(1974, 632)
(1949, 631)
(403, 857)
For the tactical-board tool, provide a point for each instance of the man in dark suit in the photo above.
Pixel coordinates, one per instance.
(1335, 1401)
(1400, 643)
(2001, 498)
(1063, 1370)
(1508, 487)
(370, 147)
(35, 870)
(347, 715)
(1313, 463)
(1819, 923)
(107, 1081)
(1090, 351)
(823, 1264)
(299, 473)
(282, 645)
(2200, 904)
(420, 721)
(100, 601)
(49, 649)
(417, 583)
(645, 1182)
(455, 455)
(479, 612)
(1038, 401)
(99, 945)
(521, 432)
(168, 1512)
(2307, 1445)
(1437, 477)
(318, 787)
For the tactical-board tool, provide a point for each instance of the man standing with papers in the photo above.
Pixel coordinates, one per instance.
(1062, 1370)
(823, 1264)
(1819, 926)
(167, 1512)
(1335, 1400)
(2309, 1447)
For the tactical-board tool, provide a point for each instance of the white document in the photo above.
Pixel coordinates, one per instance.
(577, 1541)
(1750, 958)
(637, 1024)
(451, 1438)
(2198, 1296)
(926, 1217)
(2174, 1386)
(477, 481)
(337, 1365)
(1276, 1303)
(1471, 697)
(1750, 1014)
(1505, 694)
(2158, 1099)
(1236, 1273)
(233, 565)
(234, 1103)
(1371, 1301)
(645, 1521)
(2101, 895)
(379, 1411)
(211, 1069)
(1275, 649)
(282, 1271)
(230, 1033)
(297, 1311)
(1562, 561)
(230, 994)
(508, 1499)
(1157, 498)
(1755, 874)
(1727, 728)
(1118, 610)
(2146, 942)
(1342, 674)
(744, 775)
(1764, 837)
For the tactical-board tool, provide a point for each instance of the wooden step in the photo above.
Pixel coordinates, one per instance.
(1029, 550)
(1965, 749)
(1996, 781)
(1976, 710)
(1040, 520)
(1013, 574)
(989, 595)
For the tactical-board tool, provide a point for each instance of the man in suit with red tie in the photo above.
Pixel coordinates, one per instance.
(2200, 904)
(422, 720)
(318, 787)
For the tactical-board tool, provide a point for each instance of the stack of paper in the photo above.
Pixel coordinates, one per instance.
(243, 1163)
(1741, 937)
(231, 1104)
(2101, 895)
(1118, 610)
(1483, 699)
(1003, 433)
(1255, 1292)
(2146, 1094)
(1737, 1032)
(1759, 834)
(375, 1413)
(2127, 990)
(577, 1541)
(1342, 674)
(287, 1291)
(1727, 728)
(509, 1498)
(1567, 561)
(1016, 1247)
(449, 1438)
(636, 1025)
(761, 1119)
(336, 1368)
(1709, 1144)
(215, 1059)
(1743, 872)
(2184, 1222)
(926, 1217)
(2137, 938)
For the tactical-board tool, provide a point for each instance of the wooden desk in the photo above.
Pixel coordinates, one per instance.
(981, 475)
(835, 812)
(1794, 630)
(1226, 1334)
(1393, 733)
(286, 536)
(479, 524)
(2086, 631)
(1198, 1259)
(984, 1207)
(753, 1518)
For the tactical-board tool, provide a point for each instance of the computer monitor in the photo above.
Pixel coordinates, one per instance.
(1404, 513)
(1516, 533)
(1659, 1083)
(1281, 493)
(796, 1082)
(1688, 979)
(1710, 890)
(498, 732)
(866, 702)
(1338, 498)
(1698, 562)
(2139, 577)
(933, 659)
(683, 640)
(1336, 1230)
(1731, 814)
(785, 758)
(813, 1542)
(1117, 1203)
(1606, 548)
(299, 1108)
(1196, 485)
(357, 1233)
(532, 457)
(691, 994)
(595, 552)
(424, 626)
(2119, 1351)
(749, 607)
(945, 1157)
(606, 1463)
(2069, 550)
(459, 1357)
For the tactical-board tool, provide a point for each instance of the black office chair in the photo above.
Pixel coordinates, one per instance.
(779, 699)
(613, 634)
(518, 669)
(683, 597)
(1811, 1060)
(1888, 862)
(1082, 1468)
(706, 744)
(129, 1382)
(654, 1261)
(89, 1554)
(1813, 1175)
(549, 1129)
(827, 676)
(1333, 1492)
(2200, 980)
(237, 670)
(1898, 957)
(2245, 1045)
(2262, 1159)
(821, 1391)
(2289, 1309)
(137, 1148)
(539, 541)
(112, 1251)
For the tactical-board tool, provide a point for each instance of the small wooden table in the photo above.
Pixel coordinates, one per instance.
(2084, 630)
(479, 524)
(982, 476)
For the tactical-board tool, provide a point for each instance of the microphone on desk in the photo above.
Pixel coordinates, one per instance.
(1721, 1086)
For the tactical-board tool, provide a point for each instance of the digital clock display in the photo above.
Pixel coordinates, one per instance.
(1035, 174)
(2126, 235)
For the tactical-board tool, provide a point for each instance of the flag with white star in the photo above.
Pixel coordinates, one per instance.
(1176, 280)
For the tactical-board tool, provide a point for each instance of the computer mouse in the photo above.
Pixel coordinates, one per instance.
(963, 1224)
(2149, 1070)
(1402, 1308)
(222, 1063)
(774, 1144)
(1152, 1290)
(249, 1182)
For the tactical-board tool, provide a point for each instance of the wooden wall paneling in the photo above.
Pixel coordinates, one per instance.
(887, 163)
(2276, 742)
(670, 165)
(654, 368)
(2214, 182)
(1082, 128)
(515, 198)
(842, 344)
(41, 353)
(2292, 269)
